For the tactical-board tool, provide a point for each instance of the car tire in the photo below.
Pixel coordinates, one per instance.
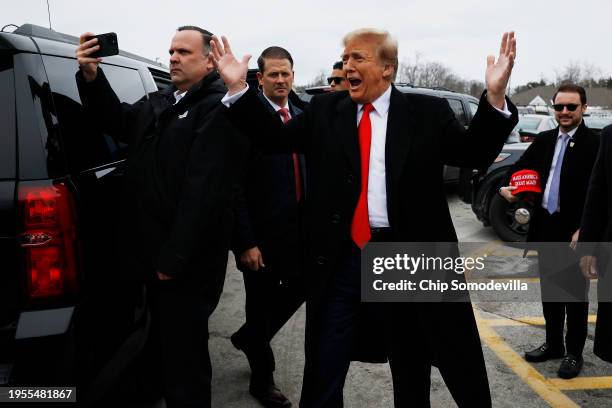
(501, 216)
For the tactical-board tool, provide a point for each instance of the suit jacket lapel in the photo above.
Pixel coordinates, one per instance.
(345, 126)
(400, 131)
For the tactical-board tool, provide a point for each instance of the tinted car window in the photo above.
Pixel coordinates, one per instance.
(85, 146)
(7, 117)
(473, 107)
(457, 108)
(528, 123)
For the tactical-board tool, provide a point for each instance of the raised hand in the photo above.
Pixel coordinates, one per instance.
(498, 72)
(232, 71)
(87, 64)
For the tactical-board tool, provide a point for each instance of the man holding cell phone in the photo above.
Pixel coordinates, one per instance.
(176, 221)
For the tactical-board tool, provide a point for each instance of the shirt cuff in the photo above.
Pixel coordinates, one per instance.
(505, 110)
(228, 99)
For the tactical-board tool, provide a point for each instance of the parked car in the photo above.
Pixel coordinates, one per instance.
(509, 221)
(64, 319)
(597, 123)
(464, 107)
(308, 93)
(531, 124)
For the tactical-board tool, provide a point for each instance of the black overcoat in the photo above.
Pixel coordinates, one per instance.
(596, 232)
(422, 136)
(183, 161)
(266, 210)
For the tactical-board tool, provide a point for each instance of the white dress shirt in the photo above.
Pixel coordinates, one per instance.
(377, 185)
(554, 163)
(178, 95)
(277, 107)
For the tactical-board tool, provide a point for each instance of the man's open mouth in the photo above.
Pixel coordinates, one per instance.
(355, 82)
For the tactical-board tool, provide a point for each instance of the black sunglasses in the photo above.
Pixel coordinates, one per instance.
(570, 106)
(335, 80)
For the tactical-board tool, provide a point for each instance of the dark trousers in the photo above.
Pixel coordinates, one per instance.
(270, 302)
(563, 287)
(176, 354)
(414, 339)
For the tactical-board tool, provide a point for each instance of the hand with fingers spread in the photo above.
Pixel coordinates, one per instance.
(232, 71)
(588, 266)
(498, 72)
(87, 64)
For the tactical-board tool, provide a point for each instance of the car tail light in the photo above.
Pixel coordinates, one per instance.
(48, 239)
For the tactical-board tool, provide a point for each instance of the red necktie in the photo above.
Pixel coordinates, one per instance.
(360, 227)
(284, 113)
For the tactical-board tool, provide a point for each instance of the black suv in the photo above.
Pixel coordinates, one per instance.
(63, 318)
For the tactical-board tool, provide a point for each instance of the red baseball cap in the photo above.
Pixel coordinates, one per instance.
(526, 181)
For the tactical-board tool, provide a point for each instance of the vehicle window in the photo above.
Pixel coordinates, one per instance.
(161, 78)
(457, 108)
(85, 146)
(473, 107)
(7, 117)
(528, 123)
(552, 124)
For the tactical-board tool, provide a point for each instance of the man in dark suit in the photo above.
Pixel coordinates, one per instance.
(563, 157)
(595, 242)
(267, 234)
(364, 149)
(176, 220)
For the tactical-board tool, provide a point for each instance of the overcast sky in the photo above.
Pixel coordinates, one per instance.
(457, 33)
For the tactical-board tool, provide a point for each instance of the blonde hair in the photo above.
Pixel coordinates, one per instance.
(386, 48)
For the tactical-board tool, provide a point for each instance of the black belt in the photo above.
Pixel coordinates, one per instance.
(381, 234)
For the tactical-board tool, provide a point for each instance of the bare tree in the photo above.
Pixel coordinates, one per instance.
(409, 71)
(432, 74)
(571, 73)
(582, 73)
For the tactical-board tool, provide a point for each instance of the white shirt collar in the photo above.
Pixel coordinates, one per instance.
(277, 107)
(178, 95)
(381, 104)
(571, 133)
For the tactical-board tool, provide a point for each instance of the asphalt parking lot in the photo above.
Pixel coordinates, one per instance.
(507, 329)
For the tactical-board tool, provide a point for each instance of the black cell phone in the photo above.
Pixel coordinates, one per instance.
(108, 45)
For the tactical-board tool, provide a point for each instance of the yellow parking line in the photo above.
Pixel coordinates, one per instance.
(530, 320)
(582, 383)
(543, 387)
(487, 249)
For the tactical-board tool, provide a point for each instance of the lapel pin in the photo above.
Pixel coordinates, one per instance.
(571, 144)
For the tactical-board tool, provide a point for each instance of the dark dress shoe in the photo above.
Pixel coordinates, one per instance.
(544, 353)
(570, 366)
(268, 395)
